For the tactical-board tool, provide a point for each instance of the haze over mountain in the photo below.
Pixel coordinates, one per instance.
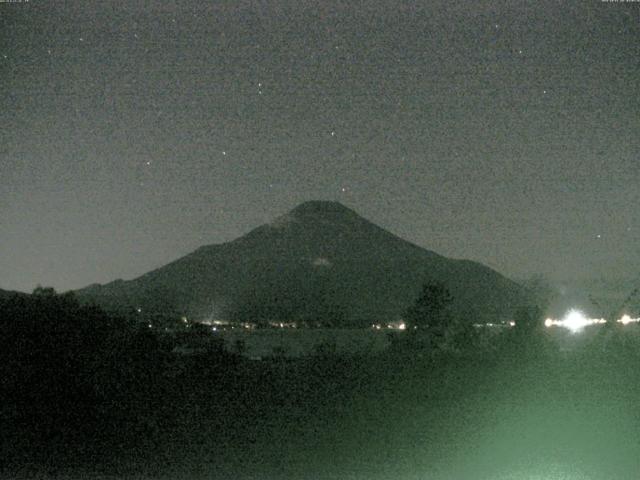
(319, 262)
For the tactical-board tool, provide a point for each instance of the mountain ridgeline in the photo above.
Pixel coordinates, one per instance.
(320, 263)
(6, 294)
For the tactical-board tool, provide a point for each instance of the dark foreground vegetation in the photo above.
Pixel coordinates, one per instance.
(86, 395)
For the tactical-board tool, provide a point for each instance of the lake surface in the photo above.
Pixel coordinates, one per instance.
(290, 342)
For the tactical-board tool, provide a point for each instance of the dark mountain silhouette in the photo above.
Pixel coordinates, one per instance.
(320, 262)
(5, 294)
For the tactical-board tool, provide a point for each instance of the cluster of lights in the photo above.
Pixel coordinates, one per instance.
(495, 325)
(626, 319)
(283, 324)
(390, 326)
(575, 321)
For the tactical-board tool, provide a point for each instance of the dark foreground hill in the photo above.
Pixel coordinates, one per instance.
(321, 262)
(88, 396)
(6, 294)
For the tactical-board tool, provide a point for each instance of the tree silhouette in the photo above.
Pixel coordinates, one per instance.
(528, 319)
(430, 312)
(539, 291)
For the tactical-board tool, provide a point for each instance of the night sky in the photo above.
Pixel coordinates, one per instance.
(133, 132)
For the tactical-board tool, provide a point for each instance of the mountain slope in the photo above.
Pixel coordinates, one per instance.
(319, 262)
(6, 294)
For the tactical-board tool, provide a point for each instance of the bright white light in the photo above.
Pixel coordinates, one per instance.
(402, 326)
(575, 321)
(626, 319)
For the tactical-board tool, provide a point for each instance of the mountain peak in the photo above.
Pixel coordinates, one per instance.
(316, 212)
(322, 208)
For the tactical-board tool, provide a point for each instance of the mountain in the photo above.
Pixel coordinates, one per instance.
(319, 262)
(6, 294)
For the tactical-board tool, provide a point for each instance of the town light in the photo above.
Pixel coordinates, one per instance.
(626, 319)
(575, 321)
